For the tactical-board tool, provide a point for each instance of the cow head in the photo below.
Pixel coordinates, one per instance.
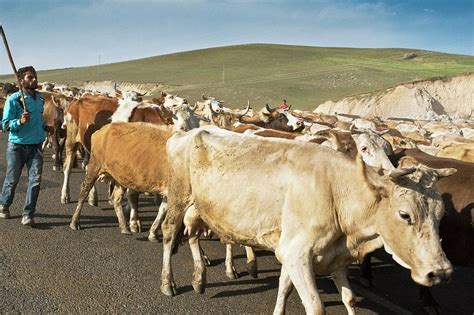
(373, 149)
(184, 118)
(408, 219)
(283, 120)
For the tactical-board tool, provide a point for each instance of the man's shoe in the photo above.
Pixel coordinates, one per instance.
(27, 221)
(5, 214)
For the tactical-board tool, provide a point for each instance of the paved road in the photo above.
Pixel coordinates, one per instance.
(52, 269)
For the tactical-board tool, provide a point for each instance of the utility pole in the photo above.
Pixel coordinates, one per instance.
(98, 68)
(223, 73)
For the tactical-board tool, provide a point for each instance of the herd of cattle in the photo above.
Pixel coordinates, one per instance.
(320, 191)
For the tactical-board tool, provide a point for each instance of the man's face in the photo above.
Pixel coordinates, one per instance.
(30, 80)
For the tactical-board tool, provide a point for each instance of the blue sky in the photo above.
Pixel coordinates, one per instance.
(51, 34)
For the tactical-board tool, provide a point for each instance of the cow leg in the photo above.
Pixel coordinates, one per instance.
(207, 261)
(170, 229)
(91, 176)
(251, 262)
(284, 289)
(365, 277)
(93, 196)
(199, 274)
(230, 270)
(159, 220)
(132, 199)
(110, 191)
(71, 148)
(56, 147)
(298, 264)
(85, 157)
(343, 286)
(117, 197)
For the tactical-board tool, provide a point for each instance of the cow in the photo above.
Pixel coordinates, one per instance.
(53, 115)
(107, 157)
(456, 227)
(316, 208)
(463, 152)
(89, 113)
(83, 117)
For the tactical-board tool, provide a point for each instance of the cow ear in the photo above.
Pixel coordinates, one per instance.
(445, 172)
(375, 180)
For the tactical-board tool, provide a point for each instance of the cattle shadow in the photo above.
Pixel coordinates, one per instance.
(258, 253)
(324, 284)
(86, 222)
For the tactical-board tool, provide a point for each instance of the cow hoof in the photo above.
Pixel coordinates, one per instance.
(207, 261)
(93, 203)
(136, 227)
(198, 287)
(232, 274)
(83, 165)
(252, 270)
(152, 238)
(366, 282)
(168, 289)
(125, 231)
(65, 200)
(75, 226)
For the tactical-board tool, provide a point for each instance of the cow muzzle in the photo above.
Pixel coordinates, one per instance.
(440, 275)
(437, 276)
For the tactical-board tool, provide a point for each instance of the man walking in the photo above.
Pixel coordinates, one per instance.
(26, 135)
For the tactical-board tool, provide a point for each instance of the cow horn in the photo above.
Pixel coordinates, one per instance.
(193, 107)
(381, 133)
(269, 109)
(401, 172)
(246, 110)
(203, 97)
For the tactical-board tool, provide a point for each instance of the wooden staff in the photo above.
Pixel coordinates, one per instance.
(14, 69)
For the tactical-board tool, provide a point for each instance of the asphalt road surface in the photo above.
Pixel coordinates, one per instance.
(53, 269)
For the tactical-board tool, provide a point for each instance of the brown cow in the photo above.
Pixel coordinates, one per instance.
(83, 117)
(53, 115)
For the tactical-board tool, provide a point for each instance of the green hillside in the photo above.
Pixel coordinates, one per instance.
(305, 76)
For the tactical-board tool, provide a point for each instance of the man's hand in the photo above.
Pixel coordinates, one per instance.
(25, 117)
(49, 130)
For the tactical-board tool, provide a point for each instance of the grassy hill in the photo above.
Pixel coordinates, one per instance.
(263, 73)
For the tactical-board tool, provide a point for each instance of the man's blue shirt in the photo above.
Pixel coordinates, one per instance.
(31, 132)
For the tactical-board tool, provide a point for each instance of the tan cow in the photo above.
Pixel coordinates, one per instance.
(146, 142)
(463, 152)
(329, 210)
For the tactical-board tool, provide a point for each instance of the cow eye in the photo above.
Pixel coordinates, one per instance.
(405, 216)
(364, 149)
